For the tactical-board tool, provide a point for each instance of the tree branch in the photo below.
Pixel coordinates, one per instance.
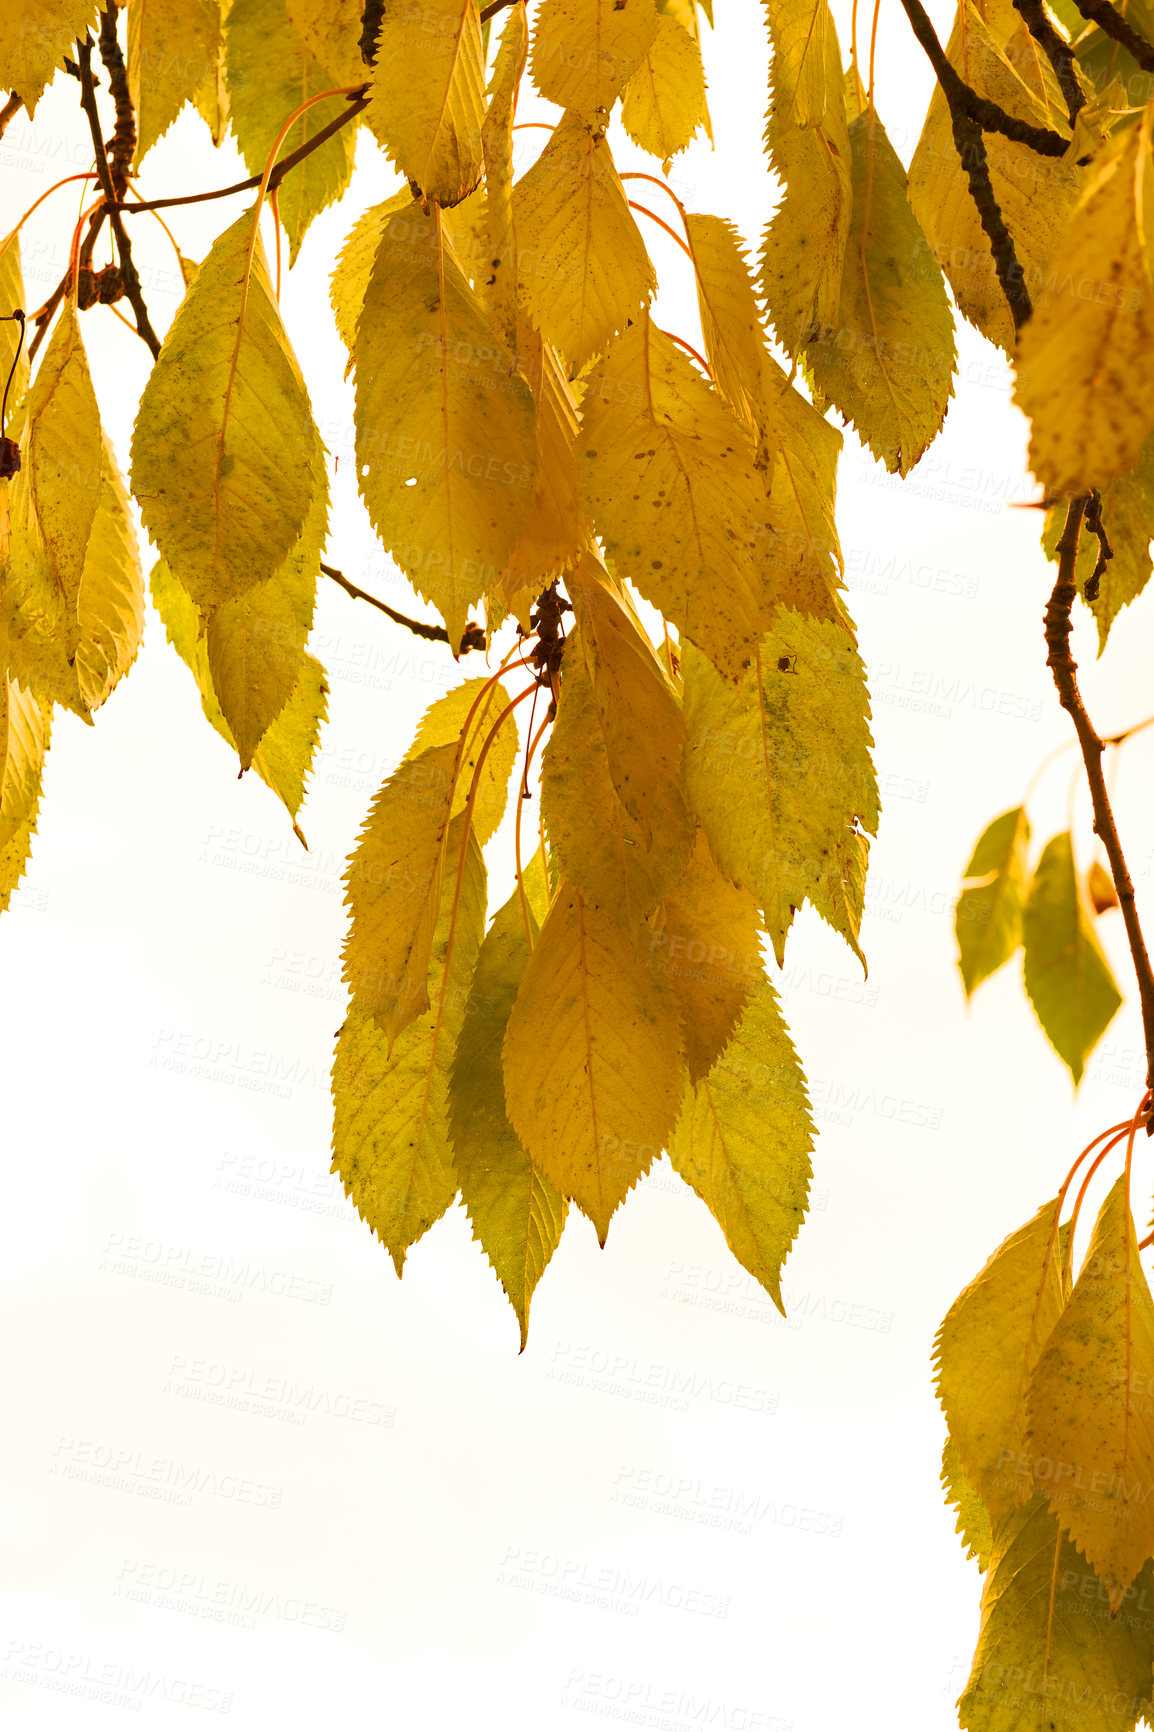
(1057, 51)
(492, 10)
(971, 147)
(1111, 22)
(1064, 669)
(356, 105)
(474, 638)
(960, 95)
(128, 272)
(124, 138)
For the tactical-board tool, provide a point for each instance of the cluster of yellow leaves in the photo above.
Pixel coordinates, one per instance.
(1049, 915)
(1045, 1382)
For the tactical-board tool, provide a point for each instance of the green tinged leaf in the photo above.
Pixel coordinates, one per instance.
(1067, 976)
(1128, 514)
(271, 71)
(988, 917)
(1091, 1419)
(25, 730)
(669, 478)
(284, 757)
(973, 1518)
(744, 1138)
(445, 425)
(391, 1098)
(1050, 1657)
(583, 267)
(226, 457)
(986, 1349)
(430, 124)
(887, 361)
(332, 29)
(517, 1215)
(778, 768)
(592, 1059)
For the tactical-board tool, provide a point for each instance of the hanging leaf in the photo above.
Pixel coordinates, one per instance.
(1128, 513)
(443, 723)
(172, 51)
(706, 944)
(973, 1518)
(332, 30)
(744, 1138)
(431, 125)
(777, 766)
(988, 917)
(391, 1097)
(497, 149)
(446, 447)
(226, 457)
(807, 81)
(586, 51)
(271, 71)
(1086, 358)
(354, 267)
(110, 602)
(1049, 1655)
(664, 101)
(25, 730)
(985, 1352)
(887, 361)
(592, 1060)
(555, 528)
(35, 38)
(1067, 976)
(1091, 1420)
(669, 478)
(256, 644)
(584, 272)
(517, 1215)
(12, 295)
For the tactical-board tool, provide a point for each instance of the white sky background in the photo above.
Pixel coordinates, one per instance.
(673, 1509)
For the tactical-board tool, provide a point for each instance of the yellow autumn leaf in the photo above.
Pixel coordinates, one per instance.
(226, 457)
(354, 267)
(555, 528)
(743, 1141)
(25, 730)
(516, 1214)
(393, 889)
(172, 52)
(283, 759)
(65, 452)
(988, 917)
(664, 101)
(1064, 968)
(497, 149)
(585, 272)
(256, 644)
(1128, 512)
(445, 425)
(1034, 193)
(586, 51)
(211, 101)
(36, 36)
(592, 1060)
(1091, 1405)
(887, 361)
(972, 1522)
(735, 346)
(332, 30)
(706, 943)
(110, 602)
(611, 794)
(778, 765)
(1086, 358)
(390, 1098)
(1050, 1657)
(443, 724)
(12, 295)
(271, 71)
(431, 125)
(669, 478)
(985, 1351)
(807, 76)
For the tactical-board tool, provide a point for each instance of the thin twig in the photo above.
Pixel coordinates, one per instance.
(1057, 51)
(1097, 529)
(123, 142)
(492, 10)
(12, 107)
(1111, 22)
(128, 271)
(988, 115)
(971, 148)
(357, 105)
(474, 638)
(1062, 665)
